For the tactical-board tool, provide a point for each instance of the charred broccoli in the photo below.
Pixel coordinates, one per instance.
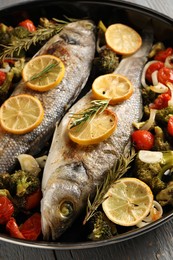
(163, 115)
(21, 183)
(165, 196)
(4, 180)
(152, 166)
(5, 37)
(160, 144)
(19, 32)
(102, 228)
(148, 95)
(107, 61)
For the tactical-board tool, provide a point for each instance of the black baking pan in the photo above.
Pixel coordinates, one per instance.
(110, 12)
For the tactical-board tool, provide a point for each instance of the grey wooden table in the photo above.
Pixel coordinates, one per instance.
(154, 245)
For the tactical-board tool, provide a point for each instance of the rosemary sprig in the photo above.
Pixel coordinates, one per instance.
(41, 34)
(97, 106)
(120, 167)
(42, 73)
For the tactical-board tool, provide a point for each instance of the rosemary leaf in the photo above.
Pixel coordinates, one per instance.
(41, 34)
(97, 106)
(121, 166)
(42, 73)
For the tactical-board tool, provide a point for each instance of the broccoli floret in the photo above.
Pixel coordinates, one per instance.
(5, 37)
(152, 173)
(102, 228)
(163, 115)
(20, 32)
(4, 180)
(21, 183)
(165, 196)
(107, 61)
(160, 144)
(148, 95)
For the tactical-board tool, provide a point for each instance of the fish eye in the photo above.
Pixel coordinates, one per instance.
(66, 209)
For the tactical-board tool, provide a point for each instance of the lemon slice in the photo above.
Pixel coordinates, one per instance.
(114, 87)
(43, 72)
(97, 129)
(128, 201)
(20, 114)
(122, 39)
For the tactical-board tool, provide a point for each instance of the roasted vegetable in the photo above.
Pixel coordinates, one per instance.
(107, 61)
(142, 140)
(28, 24)
(160, 143)
(28, 202)
(29, 230)
(19, 32)
(148, 95)
(6, 209)
(157, 47)
(163, 115)
(152, 167)
(4, 180)
(22, 184)
(165, 196)
(102, 227)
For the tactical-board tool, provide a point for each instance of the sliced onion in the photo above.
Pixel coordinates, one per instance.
(169, 62)
(159, 88)
(150, 122)
(150, 156)
(154, 77)
(29, 164)
(156, 213)
(170, 86)
(143, 81)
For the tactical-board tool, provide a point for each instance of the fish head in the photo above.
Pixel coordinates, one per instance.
(62, 200)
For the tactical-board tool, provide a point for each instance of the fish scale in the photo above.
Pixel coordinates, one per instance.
(72, 172)
(75, 46)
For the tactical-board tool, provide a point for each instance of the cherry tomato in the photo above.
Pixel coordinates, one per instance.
(13, 229)
(162, 55)
(153, 67)
(6, 209)
(28, 24)
(33, 200)
(31, 228)
(170, 126)
(165, 75)
(142, 140)
(2, 77)
(161, 101)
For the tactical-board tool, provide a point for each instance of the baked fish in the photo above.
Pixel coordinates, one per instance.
(72, 172)
(75, 46)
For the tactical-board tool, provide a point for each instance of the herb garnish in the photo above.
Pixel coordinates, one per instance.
(97, 106)
(41, 34)
(42, 73)
(120, 167)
